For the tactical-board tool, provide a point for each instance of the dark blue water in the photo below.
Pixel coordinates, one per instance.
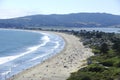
(20, 50)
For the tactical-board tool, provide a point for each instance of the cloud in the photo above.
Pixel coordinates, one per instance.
(11, 13)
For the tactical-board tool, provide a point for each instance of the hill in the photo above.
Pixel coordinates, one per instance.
(66, 20)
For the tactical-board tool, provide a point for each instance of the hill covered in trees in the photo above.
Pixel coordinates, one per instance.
(65, 20)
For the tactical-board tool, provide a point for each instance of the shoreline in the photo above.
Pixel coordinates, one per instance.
(58, 67)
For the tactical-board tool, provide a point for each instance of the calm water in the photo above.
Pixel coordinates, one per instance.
(108, 30)
(20, 50)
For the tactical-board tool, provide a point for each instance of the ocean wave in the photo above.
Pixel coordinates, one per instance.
(57, 45)
(45, 40)
(56, 48)
(49, 45)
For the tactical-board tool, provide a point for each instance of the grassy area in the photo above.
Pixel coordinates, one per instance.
(105, 65)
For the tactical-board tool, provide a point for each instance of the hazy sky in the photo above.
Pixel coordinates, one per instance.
(15, 8)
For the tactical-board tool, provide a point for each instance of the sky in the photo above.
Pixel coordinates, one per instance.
(18, 8)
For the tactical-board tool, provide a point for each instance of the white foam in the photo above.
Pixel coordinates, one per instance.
(29, 50)
(46, 39)
(6, 72)
(45, 55)
(57, 45)
(41, 56)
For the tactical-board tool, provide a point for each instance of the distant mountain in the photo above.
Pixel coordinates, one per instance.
(67, 20)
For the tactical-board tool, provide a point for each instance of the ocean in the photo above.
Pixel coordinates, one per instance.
(20, 49)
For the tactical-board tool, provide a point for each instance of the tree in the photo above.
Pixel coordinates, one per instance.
(116, 46)
(104, 48)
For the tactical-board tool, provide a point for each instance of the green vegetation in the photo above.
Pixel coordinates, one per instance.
(105, 65)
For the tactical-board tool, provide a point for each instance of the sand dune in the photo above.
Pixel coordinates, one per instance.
(59, 67)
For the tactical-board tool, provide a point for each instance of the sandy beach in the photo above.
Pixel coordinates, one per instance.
(59, 67)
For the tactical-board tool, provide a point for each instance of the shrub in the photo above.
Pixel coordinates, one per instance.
(96, 51)
(85, 78)
(117, 64)
(96, 69)
(108, 63)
